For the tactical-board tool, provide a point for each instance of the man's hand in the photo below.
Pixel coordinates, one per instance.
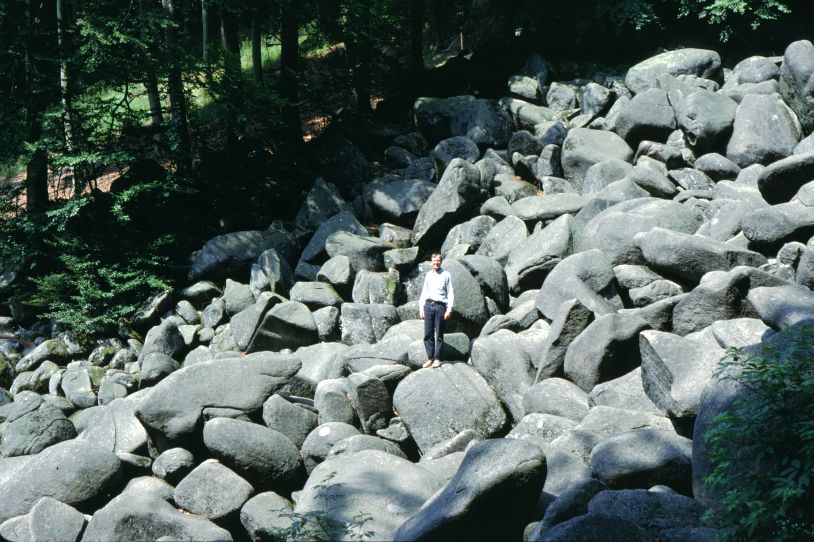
(447, 315)
(420, 314)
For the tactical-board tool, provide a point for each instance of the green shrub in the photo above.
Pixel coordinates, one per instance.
(90, 261)
(762, 449)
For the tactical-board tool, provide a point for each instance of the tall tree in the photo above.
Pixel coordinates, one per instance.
(36, 92)
(150, 77)
(257, 38)
(358, 40)
(416, 40)
(288, 85)
(175, 87)
(230, 40)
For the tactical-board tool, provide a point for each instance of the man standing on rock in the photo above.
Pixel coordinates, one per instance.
(435, 307)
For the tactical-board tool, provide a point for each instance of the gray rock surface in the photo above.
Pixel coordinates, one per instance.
(642, 458)
(136, 516)
(795, 86)
(437, 404)
(212, 491)
(32, 425)
(765, 130)
(173, 465)
(266, 457)
(608, 348)
(583, 148)
(675, 371)
(293, 421)
(174, 407)
(459, 191)
(500, 476)
(690, 256)
(586, 276)
(286, 325)
(73, 472)
(266, 515)
(699, 62)
(384, 488)
(648, 116)
(319, 442)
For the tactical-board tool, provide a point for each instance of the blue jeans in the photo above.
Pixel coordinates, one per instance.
(434, 329)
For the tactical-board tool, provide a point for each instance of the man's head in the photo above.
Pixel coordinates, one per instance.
(436, 259)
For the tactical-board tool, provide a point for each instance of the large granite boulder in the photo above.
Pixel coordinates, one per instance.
(530, 261)
(497, 478)
(642, 458)
(32, 425)
(699, 62)
(676, 369)
(175, 406)
(584, 147)
(399, 201)
(608, 348)
(484, 122)
(506, 366)
(613, 231)
(286, 325)
(586, 276)
(75, 472)
(266, 457)
(321, 203)
(232, 254)
(797, 81)
(781, 180)
(212, 490)
(458, 192)
(706, 118)
(648, 116)
(135, 516)
(765, 130)
(371, 490)
(49, 519)
(437, 404)
(691, 256)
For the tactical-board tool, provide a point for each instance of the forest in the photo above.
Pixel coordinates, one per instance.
(134, 130)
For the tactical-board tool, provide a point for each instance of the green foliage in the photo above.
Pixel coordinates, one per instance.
(92, 260)
(733, 15)
(91, 296)
(762, 449)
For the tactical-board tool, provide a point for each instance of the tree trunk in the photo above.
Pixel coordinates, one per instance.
(65, 83)
(289, 72)
(175, 88)
(36, 178)
(151, 81)
(359, 43)
(205, 31)
(257, 59)
(416, 40)
(230, 43)
(70, 120)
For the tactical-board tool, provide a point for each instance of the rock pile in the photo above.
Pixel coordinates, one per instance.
(606, 250)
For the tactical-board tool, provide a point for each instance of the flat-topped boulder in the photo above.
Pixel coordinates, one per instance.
(701, 62)
(174, 407)
(437, 404)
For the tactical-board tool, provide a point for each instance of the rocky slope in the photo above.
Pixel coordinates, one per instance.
(606, 249)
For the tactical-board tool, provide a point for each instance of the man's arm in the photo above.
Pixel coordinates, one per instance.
(422, 299)
(450, 297)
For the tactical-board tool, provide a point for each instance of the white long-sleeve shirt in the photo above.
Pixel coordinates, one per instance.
(437, 287)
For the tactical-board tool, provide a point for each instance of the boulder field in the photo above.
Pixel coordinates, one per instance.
(609, 239)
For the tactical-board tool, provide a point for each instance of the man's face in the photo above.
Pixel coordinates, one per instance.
(436, 262)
